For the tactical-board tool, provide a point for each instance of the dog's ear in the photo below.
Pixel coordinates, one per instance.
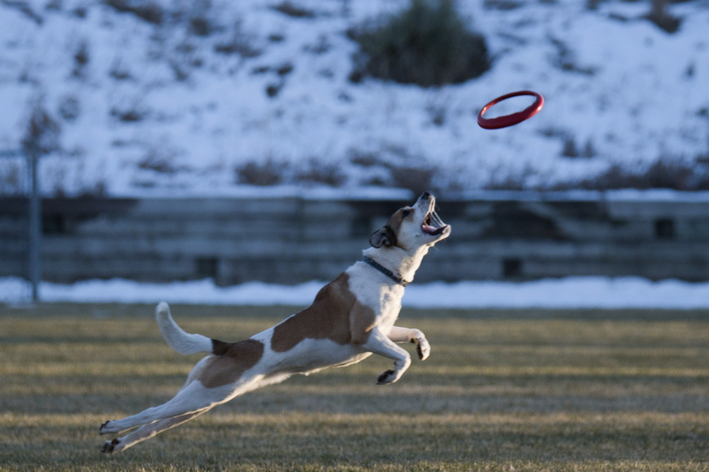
(383, 237)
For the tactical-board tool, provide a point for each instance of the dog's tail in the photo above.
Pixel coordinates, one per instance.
(179, 340)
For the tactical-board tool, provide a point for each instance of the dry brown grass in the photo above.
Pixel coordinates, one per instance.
(525, 389)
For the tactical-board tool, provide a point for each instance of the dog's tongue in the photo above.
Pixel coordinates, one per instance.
(429, 229)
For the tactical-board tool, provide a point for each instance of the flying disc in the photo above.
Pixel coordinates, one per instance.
(514, 118)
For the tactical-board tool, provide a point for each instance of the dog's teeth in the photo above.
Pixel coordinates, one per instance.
(437, 219)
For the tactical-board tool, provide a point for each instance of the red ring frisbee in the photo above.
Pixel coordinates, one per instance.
(514, 118)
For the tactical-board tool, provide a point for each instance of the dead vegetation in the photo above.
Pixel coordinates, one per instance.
(427, 44)
(667, 173)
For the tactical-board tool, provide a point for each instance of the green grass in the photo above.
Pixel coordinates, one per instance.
(532, 390)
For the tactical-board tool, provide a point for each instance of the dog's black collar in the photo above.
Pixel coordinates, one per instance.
(396, 278)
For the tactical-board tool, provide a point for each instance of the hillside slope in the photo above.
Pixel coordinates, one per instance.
(205, 97)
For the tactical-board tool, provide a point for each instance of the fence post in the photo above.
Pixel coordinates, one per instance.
(40, 138)
(35, 223)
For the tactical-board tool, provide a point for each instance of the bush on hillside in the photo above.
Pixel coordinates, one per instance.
(667, 173)
(145, 10)
(427, 44)
(270, 172)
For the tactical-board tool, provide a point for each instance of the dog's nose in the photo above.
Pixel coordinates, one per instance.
(426, 195)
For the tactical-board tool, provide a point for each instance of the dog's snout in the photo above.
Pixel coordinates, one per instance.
(425, 195)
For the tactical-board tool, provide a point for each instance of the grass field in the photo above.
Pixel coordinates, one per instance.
(502, 390)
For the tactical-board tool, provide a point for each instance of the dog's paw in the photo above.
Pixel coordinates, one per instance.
(387, 377)
(109, 446)
(106, 428)
(423, 349)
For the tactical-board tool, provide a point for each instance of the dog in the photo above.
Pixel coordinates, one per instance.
(350, 319)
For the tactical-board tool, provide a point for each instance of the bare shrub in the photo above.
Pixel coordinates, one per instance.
(54, 5)
(570, 149)
(180, 69)
(320, 47)
(667, 172)
(284, 69)
(437, 113)
(273, 89)
(26, 9)
(427, 44)
(119, 71)
(588, 150)
(287, 8)
(54, 176)
(659, 15)
(238, 42)
(363, 159)
(200, 26)
(375, 181)
(503, 5)
(565, 59)
(11, 177)
(129, 115)
(552, 132)
(145, 10)
(270, 172)
(321, 173)
(159, 159)
(42, 135)
(69, 108)
(81, 59)
(395, 166)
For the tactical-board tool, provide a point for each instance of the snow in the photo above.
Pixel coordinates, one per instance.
(624, 195)
(568, 293)
(623, 89)
(283, 191)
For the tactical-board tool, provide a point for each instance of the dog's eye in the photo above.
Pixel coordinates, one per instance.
(405, 213)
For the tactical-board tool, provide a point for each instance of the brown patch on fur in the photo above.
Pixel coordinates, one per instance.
(219, 348)
(388, 235)
(334, 315)
(397, 219)
(234, 360)
(362, 321)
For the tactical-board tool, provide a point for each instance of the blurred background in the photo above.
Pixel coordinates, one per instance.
(263, 141)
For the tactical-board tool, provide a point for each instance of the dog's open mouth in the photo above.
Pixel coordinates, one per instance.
(433, 224)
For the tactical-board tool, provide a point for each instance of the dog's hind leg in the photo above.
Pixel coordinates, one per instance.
(191, 399)
(146, 432)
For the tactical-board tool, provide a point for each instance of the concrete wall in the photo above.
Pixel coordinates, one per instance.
(496, 235)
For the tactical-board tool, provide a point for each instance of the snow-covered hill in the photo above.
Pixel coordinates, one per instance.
(179, 96)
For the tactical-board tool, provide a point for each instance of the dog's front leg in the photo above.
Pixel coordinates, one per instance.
(403, 335)
(379, 343)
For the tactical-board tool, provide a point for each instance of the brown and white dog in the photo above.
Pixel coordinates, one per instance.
(352, 317)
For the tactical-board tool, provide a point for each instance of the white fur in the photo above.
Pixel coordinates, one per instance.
(376, 291)
(370, 287)
(180, 341)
